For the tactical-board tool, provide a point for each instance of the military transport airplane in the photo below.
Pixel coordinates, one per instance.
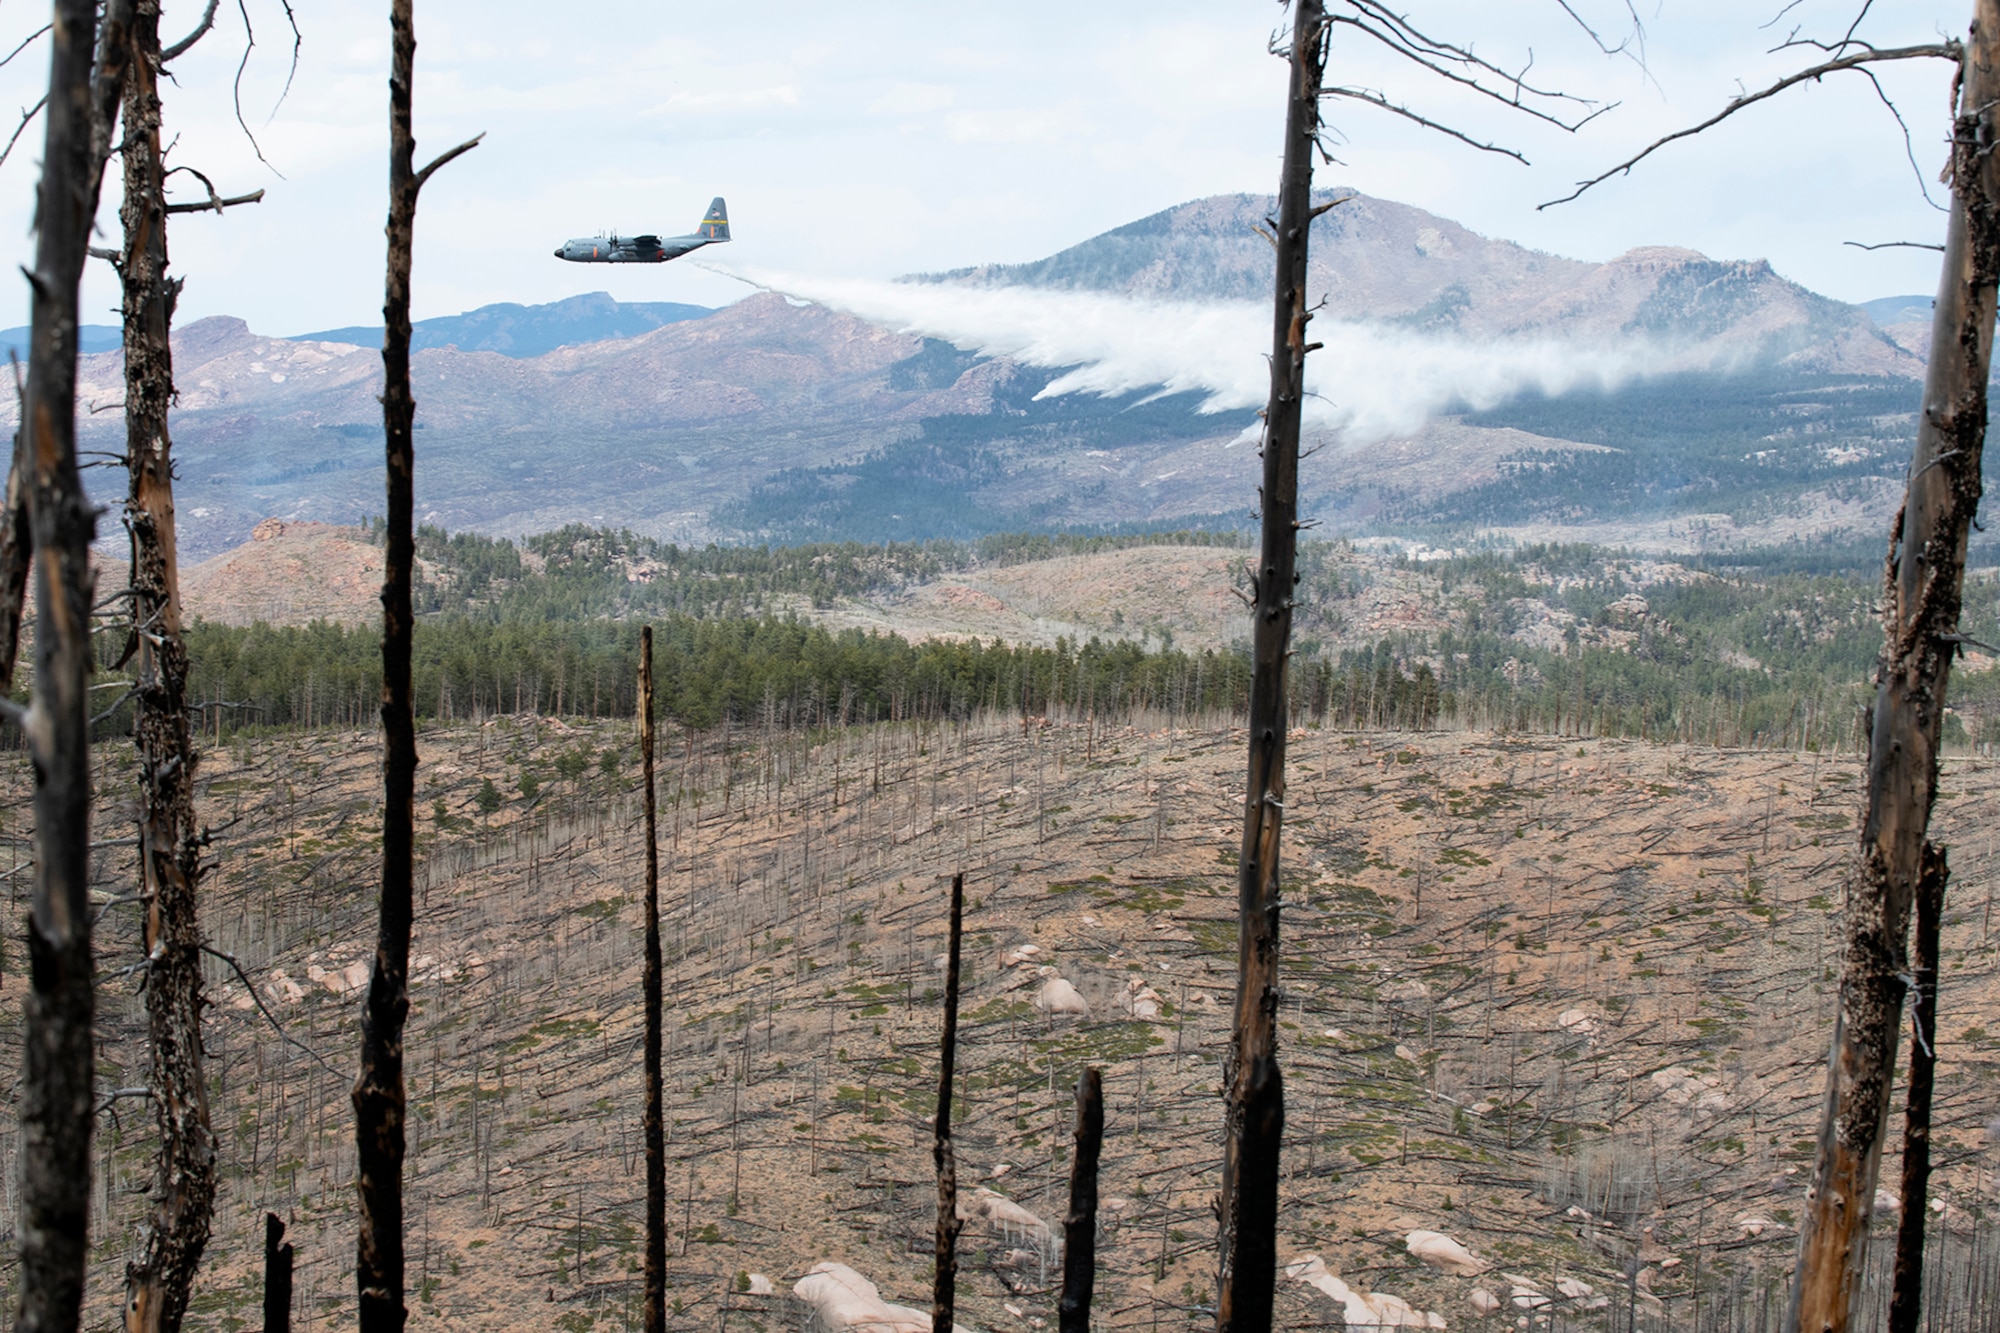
(616, 249)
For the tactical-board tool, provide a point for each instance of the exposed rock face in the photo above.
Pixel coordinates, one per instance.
(289, 574)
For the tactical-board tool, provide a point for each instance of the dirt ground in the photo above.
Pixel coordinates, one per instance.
(1566, 1002)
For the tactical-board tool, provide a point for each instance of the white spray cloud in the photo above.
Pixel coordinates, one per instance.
(1372, 381)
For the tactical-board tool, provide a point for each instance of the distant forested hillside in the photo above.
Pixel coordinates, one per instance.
(526, 330)
(964, 477)
(1775, 649)
(1745, 446)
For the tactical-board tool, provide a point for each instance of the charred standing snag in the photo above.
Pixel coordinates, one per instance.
(1255, 1116)
(277, 1277)
(656, 1145)
(1906, 1297)
(17, 544)
(170, 847)
(57, 1050)
(944, 1280)
(1080, 1225)
(1925, 570)
(379, 1093)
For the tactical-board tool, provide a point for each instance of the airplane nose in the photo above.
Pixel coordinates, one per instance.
(558, 253)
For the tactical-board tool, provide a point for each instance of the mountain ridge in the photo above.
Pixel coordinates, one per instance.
(1383, 260)
(516, 330)
(780, 420)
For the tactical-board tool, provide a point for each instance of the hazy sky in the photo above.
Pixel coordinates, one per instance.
(867, 138)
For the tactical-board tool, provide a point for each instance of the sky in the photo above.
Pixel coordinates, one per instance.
(871, 138)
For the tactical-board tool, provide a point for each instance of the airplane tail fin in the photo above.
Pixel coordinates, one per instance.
(715, 223)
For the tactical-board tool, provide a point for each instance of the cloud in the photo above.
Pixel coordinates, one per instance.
(1371, 381)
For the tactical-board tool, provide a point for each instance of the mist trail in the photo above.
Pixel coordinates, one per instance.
(1373, 380)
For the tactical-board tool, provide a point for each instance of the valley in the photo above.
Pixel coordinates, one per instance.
(1564, 1001)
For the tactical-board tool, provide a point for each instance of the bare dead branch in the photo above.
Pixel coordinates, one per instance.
(1789, 7)
(105, 715)
(1624, 48)
(1895, 245)
(1909, 148)
(444, 157)
(298, 42)
(182, 47)
(25, 43)
(236, 91)
(27, 118)
(215, 202)
(1376, 99)
(272, 1018)
(117, 1095)
(217, 205)
(1952, 50)
(1460, 65)
(1847, 38)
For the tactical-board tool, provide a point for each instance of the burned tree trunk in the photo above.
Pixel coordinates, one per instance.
(655, 1312)
(944, 1277)
(277, 1277)
(1906, 1299)
(1080, 1225)
(57, 1050)
(17, 545)
(158, 1282)
(1255, 1116)
(1925, 570)
(379, 1093)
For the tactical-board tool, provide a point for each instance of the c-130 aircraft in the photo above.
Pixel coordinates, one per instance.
(616, 249)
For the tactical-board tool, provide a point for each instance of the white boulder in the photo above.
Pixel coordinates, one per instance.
(1362, 1309)
(842, 1299)
(1441, 1251)
(1578, 1021)
(1058, 996)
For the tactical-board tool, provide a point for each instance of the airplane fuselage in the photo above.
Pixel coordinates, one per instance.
(629, 249)
(648, 249)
